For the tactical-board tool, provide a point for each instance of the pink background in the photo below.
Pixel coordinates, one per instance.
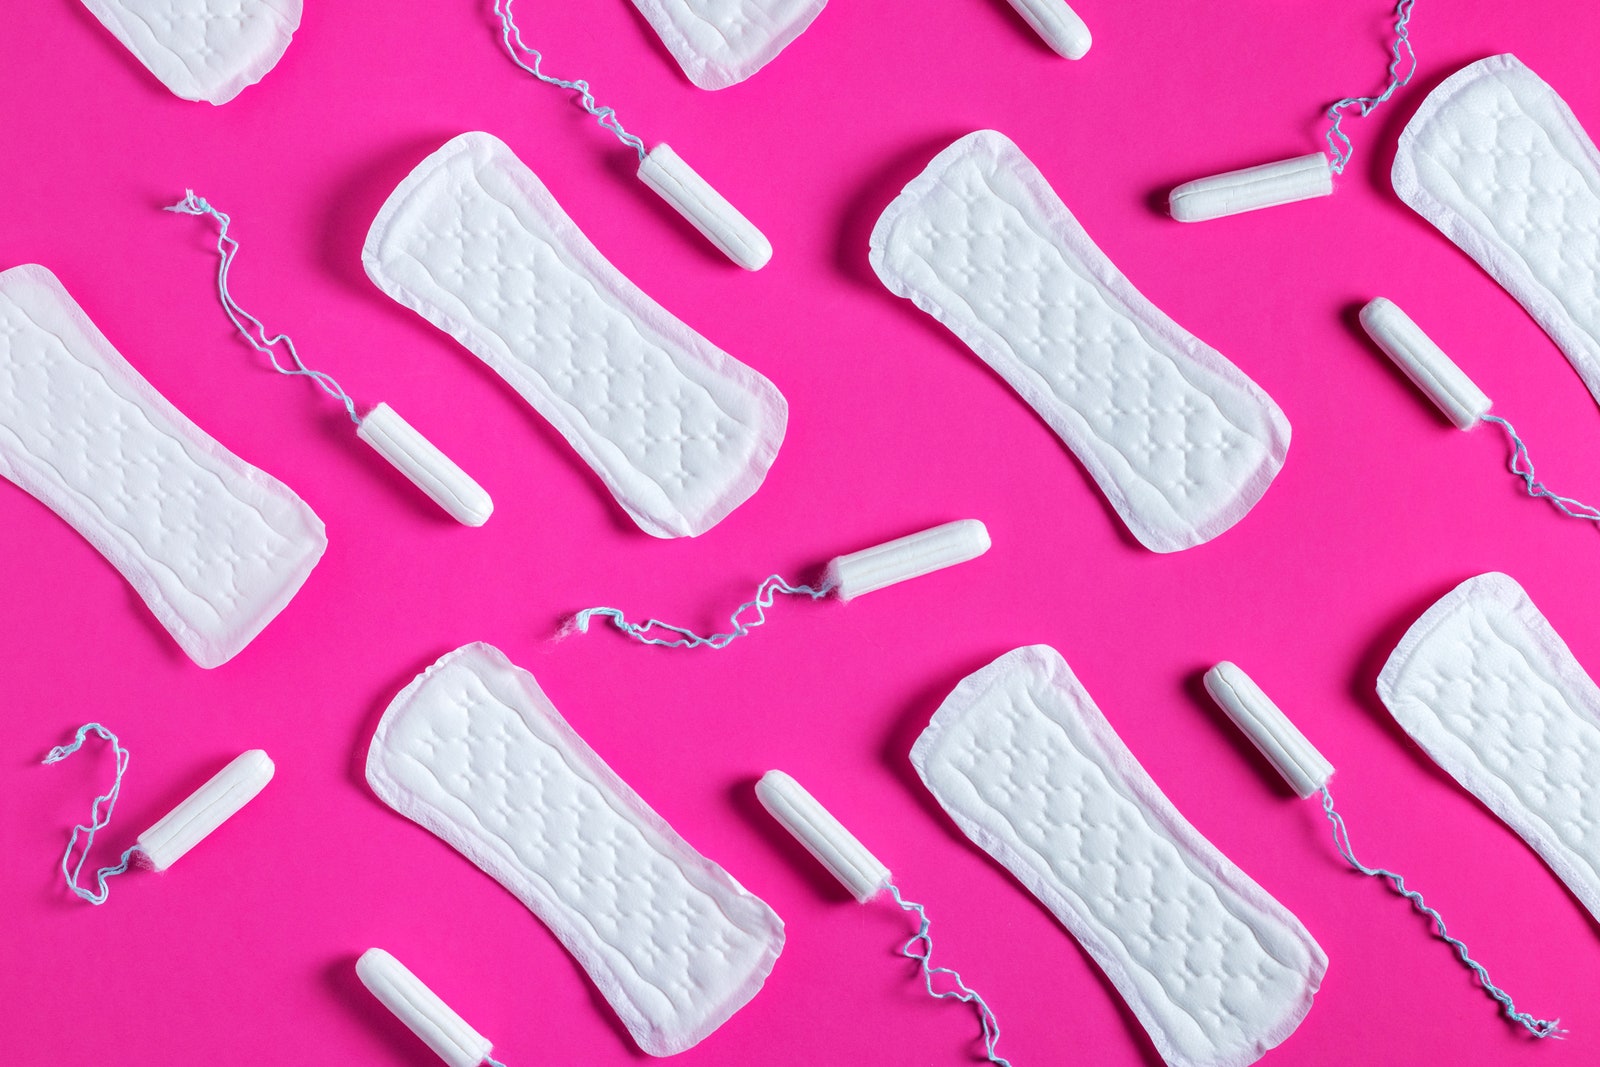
(243, 952)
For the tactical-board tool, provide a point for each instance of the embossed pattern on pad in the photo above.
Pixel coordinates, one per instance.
(1488, 688)
(1497, 161)
(1178, 439)
(214, 546)
(679, 431)
(721, 42)
(203, 49)
(474, 751)
(1216, 970)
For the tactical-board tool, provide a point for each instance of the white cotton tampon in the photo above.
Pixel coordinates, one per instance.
(1425, 363)
(207, 808)
(429, 469)
(421, 1010)
(836, 848)
(1301, 178)
(908, 557)
(1058, 24)
(692, 197)
(1285, 747)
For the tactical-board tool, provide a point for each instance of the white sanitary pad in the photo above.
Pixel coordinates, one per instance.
(1216, 970)
(1491, 692)
(203, 49)
(1497, 161)
(681, 432)
(1179, 440)
(213, 545)
(721, 42)
(474, 751)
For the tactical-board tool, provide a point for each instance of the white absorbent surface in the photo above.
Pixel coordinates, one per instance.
(719, 43)
(474, 751)
(451, 1038)
(679, 431)
(1497, 161)
(203, 49)
(1215, 969)
(1488, 688)
(214, 546)
(1179, 440)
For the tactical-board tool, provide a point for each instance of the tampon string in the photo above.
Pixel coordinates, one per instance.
(1400, 56)
(1522, 466)
(250, 327)
(919, 949)
(643, 632)
(98, 819)
(522, 53)
(1341, 838)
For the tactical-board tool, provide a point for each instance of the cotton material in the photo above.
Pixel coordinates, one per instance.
(719, 43)
(1486, 686)
(203, 49)
(680, 432)
(215, 547)
(474, 751)
(1498, 162)
(1178, 439)
(1215, 969)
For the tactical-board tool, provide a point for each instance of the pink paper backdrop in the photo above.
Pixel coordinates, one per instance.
(243, 952)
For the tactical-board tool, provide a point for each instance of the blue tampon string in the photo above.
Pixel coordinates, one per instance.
(1402, 65)
(250, 327)
(1341, 839)
(645, 632)
(98, 819)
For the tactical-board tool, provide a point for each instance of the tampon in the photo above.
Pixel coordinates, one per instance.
(1268, 185)
(421, 1010)
(429, 469)
(907, 557)
(836, 848)
(207, 808)
(691, 196)
(1285, 747)
(1425, 363)
(1058, 24)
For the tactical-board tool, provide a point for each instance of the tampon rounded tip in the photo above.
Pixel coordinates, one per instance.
(907, 557)
(1253, 712)
(421, 1010)
(1425, 363)
(428, 468)
(707, 210)
(836, 848)
(1252, 188)
(207, 808)
(1057, 24)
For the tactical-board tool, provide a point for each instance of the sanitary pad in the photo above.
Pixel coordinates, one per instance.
(1216, 970)
(203, 49)
(721, 42)
(680, 431)
(1179, 440)
(214, 546)
(1496, 160)
(1491, 692)
(474, 751)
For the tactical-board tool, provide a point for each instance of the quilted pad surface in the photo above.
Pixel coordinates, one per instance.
(203, 49)
(474, 751)
(1488, 688)
(1498, 162)
(679, 431)
(1179, 440)
(721, 42)
(1216, 970)
(214, 546)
